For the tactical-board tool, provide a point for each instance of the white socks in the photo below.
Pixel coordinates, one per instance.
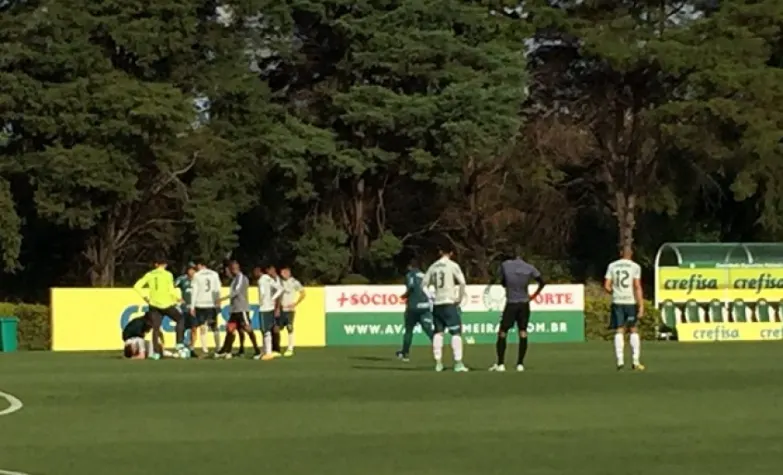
(437, 346)
(456, 347)
(636, 347)
(202, 335)
(619, 347)
(268, 343)
(291, 341)
(216, 336)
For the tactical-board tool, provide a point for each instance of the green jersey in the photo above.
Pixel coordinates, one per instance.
(160, 282)
(416, 295)
(184, 285)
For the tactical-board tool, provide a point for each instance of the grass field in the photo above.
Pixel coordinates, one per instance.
(699, 409)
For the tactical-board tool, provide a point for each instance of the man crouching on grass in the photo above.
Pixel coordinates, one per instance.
(136, 348)
(133, 337)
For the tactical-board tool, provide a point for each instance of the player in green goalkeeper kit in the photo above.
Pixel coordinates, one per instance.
(418, 308)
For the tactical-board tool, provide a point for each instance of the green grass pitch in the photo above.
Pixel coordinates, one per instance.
(699, 409)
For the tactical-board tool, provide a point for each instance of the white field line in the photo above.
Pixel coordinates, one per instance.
(14, 405)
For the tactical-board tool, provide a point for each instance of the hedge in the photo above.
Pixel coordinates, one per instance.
(597, 309)
(35, 332)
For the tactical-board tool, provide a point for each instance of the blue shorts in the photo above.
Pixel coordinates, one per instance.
(623, 316)
(267, 321)
(286, 320)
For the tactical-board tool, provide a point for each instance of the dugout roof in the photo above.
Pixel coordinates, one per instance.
(704, 254)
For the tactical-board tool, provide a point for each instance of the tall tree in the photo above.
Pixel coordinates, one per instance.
(423, 89)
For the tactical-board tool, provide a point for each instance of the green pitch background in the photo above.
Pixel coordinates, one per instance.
(700, 409)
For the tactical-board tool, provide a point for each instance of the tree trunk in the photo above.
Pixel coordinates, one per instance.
(625, 211)
(102, 256)
(359, 226)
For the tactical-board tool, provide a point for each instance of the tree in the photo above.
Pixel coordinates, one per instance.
(621, 76)
(428, 90)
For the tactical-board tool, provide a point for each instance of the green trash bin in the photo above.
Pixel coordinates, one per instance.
(8, 330)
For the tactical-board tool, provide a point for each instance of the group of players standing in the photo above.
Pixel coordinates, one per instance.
(193, 301)
(439, 311)
(432, 301)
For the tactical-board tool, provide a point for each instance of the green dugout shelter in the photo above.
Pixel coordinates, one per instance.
(719, 282)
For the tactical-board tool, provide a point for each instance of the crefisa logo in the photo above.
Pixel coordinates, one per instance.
(718, 333)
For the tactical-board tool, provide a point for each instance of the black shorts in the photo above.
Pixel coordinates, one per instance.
(515, 314)
(156, 315)
(240, 319)
(206, 316)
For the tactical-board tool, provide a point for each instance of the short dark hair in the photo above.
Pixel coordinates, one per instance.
(201, 261)
(128, 351)
(159, 259)
(414, 262)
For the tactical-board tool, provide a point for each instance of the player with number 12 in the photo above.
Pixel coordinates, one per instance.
(623, 280)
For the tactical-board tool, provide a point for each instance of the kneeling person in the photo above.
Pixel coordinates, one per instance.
(136, 347)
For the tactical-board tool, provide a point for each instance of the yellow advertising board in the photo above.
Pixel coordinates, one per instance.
(724, 284)
(711, 332)
(87, 319)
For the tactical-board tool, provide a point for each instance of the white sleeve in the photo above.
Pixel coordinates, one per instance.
(277, 290)
(637, 271)
(216, 285)
(608, 274)
(194, 290)
(459, 275)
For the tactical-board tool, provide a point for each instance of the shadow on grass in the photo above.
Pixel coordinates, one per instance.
(369, 358)
(387, 368)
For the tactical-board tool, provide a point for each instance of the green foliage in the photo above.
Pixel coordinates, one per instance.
(597, 313)
(346, 136)
(322, 255)
(355, 279)
(35, 332)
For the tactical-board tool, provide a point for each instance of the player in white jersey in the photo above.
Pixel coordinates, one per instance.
(268, 293)
(205, 304)
(447, 281)
(293, 294)
(623, 280)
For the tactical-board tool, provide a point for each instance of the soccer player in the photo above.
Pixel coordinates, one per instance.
(418, 308)
(268, 293)
(515, 275)
(133, 335)
(183, 284)
(162, 302)
(206, 303)
(293, 294)
(240, 313)
(446, 277)
(623, 280)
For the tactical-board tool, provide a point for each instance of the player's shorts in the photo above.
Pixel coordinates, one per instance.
(156, 315)
(206, 316)
(518, 314)
(623, 315)
(240, 319)
(135, 345)
(417, 316)
(447, 318)
(267, 321)
(286, 319)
